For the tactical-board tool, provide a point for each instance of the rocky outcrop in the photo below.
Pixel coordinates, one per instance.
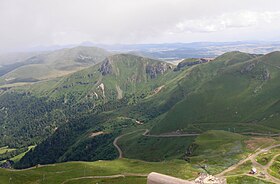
(102, 88)
(265, 74)
(184, 64)
(119, 92)
(259, 73)
(106, 67)
(154, 70)
(96, 95)
(209, 179)
(84, 59)
(7, 164)
(92, 95)
(248, 68)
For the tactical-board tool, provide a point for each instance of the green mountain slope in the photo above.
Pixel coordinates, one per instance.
(35, 112)
(117, 77)
(235, 92)
(120, 81)
(64, 172)
(52, 64)
(11, 61)
(242, 97)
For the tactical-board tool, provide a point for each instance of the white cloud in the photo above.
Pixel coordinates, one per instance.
(224, 21)
(44, 22)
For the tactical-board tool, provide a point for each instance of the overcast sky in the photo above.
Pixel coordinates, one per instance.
(30, 23)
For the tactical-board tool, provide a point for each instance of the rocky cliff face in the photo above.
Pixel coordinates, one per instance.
(154, 70)
(184, 64)
(106, 67)
(85, 59)
(248, 68)
(261, 74)
(266, 74)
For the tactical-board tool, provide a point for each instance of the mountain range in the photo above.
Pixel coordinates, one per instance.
(87, 97)
(49, 65)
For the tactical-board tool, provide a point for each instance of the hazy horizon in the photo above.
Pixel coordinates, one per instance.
(27, 24)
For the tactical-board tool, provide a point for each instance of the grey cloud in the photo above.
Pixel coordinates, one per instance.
(27, 23)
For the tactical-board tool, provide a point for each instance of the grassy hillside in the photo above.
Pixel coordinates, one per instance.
(274, 168)
(38, 110)
(59, 173)
(5, 150)
(117, 83)
(217, 150)
(11, 61)
(52, 64)
(241, 97)
(137, 146)
(212, 152)
(83, 172)
(120, 74)
(245, 179)
(236, 92)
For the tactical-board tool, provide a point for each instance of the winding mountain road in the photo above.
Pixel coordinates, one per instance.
(115, 143)
(173, 134)
(251, 157)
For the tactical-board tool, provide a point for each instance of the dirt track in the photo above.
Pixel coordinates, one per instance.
(252, 158)
(105, 177)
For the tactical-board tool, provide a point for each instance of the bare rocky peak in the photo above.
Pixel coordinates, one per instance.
(106, 67)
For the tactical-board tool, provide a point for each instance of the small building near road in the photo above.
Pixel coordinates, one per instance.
(253, 171)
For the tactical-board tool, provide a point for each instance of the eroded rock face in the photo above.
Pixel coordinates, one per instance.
(154, 70)
(106, 67)
(266, 75)
(261, 74)
(102, 88)
(248, 68)
(187, 64)
(84, 59)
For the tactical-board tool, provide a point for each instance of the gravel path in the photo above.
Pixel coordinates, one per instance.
(252, 158)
